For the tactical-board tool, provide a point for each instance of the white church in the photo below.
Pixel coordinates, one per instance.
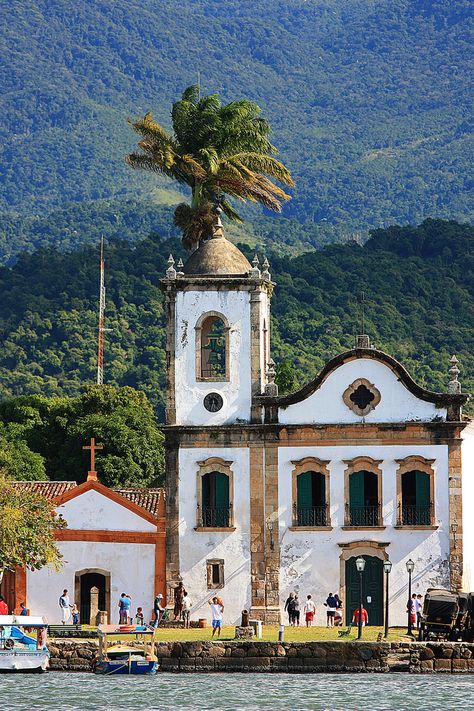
(269, 494)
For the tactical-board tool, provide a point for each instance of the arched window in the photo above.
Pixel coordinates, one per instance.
(310, 493)
(311, 507)
(212, 348)
(363, 490)
(415, 491)
(214, 494)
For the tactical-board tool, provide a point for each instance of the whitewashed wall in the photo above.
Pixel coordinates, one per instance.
(195, 547)
(131, 567)
(310, 560)
(190, 306)
(326, 405)
(94, 511)
(467, 453)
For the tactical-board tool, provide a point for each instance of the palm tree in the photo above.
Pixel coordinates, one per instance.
(218, 151)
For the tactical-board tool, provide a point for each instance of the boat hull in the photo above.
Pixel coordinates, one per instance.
(125, 667)
(24, 661)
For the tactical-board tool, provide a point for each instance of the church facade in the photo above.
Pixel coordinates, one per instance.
(268, 494)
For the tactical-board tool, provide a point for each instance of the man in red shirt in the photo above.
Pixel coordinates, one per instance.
(3, 606)
(365, 616)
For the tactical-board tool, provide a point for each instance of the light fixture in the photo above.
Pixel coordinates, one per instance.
(360, 564)
(410, 566)
(387, 566)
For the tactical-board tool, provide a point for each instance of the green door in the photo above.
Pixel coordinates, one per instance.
(372, 589)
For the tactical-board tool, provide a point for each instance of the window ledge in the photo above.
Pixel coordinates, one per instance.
(218, 529)
(202, 379)
(407, 527)
(363, 528)
(310, 528)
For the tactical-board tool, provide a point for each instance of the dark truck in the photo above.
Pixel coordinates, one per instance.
(447, 615)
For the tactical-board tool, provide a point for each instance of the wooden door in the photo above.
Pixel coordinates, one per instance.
(372, 589)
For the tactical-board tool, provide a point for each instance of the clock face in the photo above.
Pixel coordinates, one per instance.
(213, 402)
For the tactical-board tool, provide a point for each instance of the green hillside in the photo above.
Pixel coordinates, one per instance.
(418, 284)
(369, 100)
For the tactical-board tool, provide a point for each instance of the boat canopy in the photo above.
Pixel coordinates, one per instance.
(23, 621)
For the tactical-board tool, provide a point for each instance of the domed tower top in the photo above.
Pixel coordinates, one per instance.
(217, 256)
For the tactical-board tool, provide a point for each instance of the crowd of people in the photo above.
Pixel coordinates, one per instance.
(333, 606)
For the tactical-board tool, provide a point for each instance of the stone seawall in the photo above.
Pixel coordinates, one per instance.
(296, 657)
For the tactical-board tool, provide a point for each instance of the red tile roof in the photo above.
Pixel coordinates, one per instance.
(147, 499)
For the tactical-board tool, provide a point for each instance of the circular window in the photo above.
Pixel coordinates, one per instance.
(213, 402)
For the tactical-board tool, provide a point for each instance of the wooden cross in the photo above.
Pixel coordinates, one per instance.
(92, 474)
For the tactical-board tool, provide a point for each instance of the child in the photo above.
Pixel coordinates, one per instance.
(75, 614)
(309, 610)
(139, 616)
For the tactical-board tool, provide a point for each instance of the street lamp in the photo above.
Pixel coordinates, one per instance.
(360, 565)
(410, 568)
(387, 566)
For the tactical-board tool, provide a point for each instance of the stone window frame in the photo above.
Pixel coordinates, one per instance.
(198, 329)
(206, 466)
(346, 396)
(416, 462)
(367, 464)
(210, 563)
(301, 466)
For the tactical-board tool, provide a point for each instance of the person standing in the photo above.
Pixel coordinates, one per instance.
(296, 611)
(75, 614)
(365, 617)
(419, 610)
(289, 607)
(331, 604)
(139, 616)
(124, 605)
(158, 610)
(178, 600)
(3, 606)
(66, 607)
(216, 610)
(411, 609)
(187, 605)
(309, 610)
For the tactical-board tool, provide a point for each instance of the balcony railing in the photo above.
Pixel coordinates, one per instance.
(215, 516)
(415, 515)
(313, 516)
(363, 515)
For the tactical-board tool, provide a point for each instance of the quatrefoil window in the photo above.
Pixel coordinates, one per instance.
(361, 397)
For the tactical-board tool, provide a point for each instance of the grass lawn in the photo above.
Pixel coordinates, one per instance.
(270, 633)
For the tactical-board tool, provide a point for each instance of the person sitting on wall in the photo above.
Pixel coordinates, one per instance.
(365, 617)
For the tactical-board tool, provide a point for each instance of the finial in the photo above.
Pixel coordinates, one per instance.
(255, 271)
(180, 267)
(266, 274)
(271, 388)
(171, 271)
(454, 386)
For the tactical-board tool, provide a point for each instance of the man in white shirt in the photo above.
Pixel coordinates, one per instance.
(309, 610)
(217, 610)
(187, 605)
(65, 605)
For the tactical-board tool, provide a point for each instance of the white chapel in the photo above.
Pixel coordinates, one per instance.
(268, 494)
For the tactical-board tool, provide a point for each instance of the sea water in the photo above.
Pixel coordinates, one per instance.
(237, 692)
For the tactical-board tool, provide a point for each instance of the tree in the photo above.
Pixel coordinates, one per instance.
(216, 150)
(27, 526)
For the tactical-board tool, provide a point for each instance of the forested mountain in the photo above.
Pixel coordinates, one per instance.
(369, 100)
(418, 284)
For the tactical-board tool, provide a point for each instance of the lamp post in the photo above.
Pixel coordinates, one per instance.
(387, 566)
(360, 565)
(410, 568)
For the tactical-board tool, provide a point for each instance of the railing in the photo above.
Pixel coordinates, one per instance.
(215, 516)
(363, 515)
(310, 516)
(415, 515)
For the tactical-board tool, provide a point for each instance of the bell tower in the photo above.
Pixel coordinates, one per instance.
(218, 334)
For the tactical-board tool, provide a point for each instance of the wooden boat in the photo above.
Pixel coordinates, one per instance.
(19, 650)
(126, 649)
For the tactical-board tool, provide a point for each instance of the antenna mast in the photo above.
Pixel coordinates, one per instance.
(100, 343)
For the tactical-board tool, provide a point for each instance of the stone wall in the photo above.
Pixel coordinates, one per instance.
(299, 657)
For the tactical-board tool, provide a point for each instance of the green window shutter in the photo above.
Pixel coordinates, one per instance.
(304, 489)
(422, 489)
(222, 490)
(356, 489)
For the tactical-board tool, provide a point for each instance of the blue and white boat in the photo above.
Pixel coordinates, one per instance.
(126, 649)
(20, 650)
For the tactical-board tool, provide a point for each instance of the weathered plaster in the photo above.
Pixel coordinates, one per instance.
(93, 511)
